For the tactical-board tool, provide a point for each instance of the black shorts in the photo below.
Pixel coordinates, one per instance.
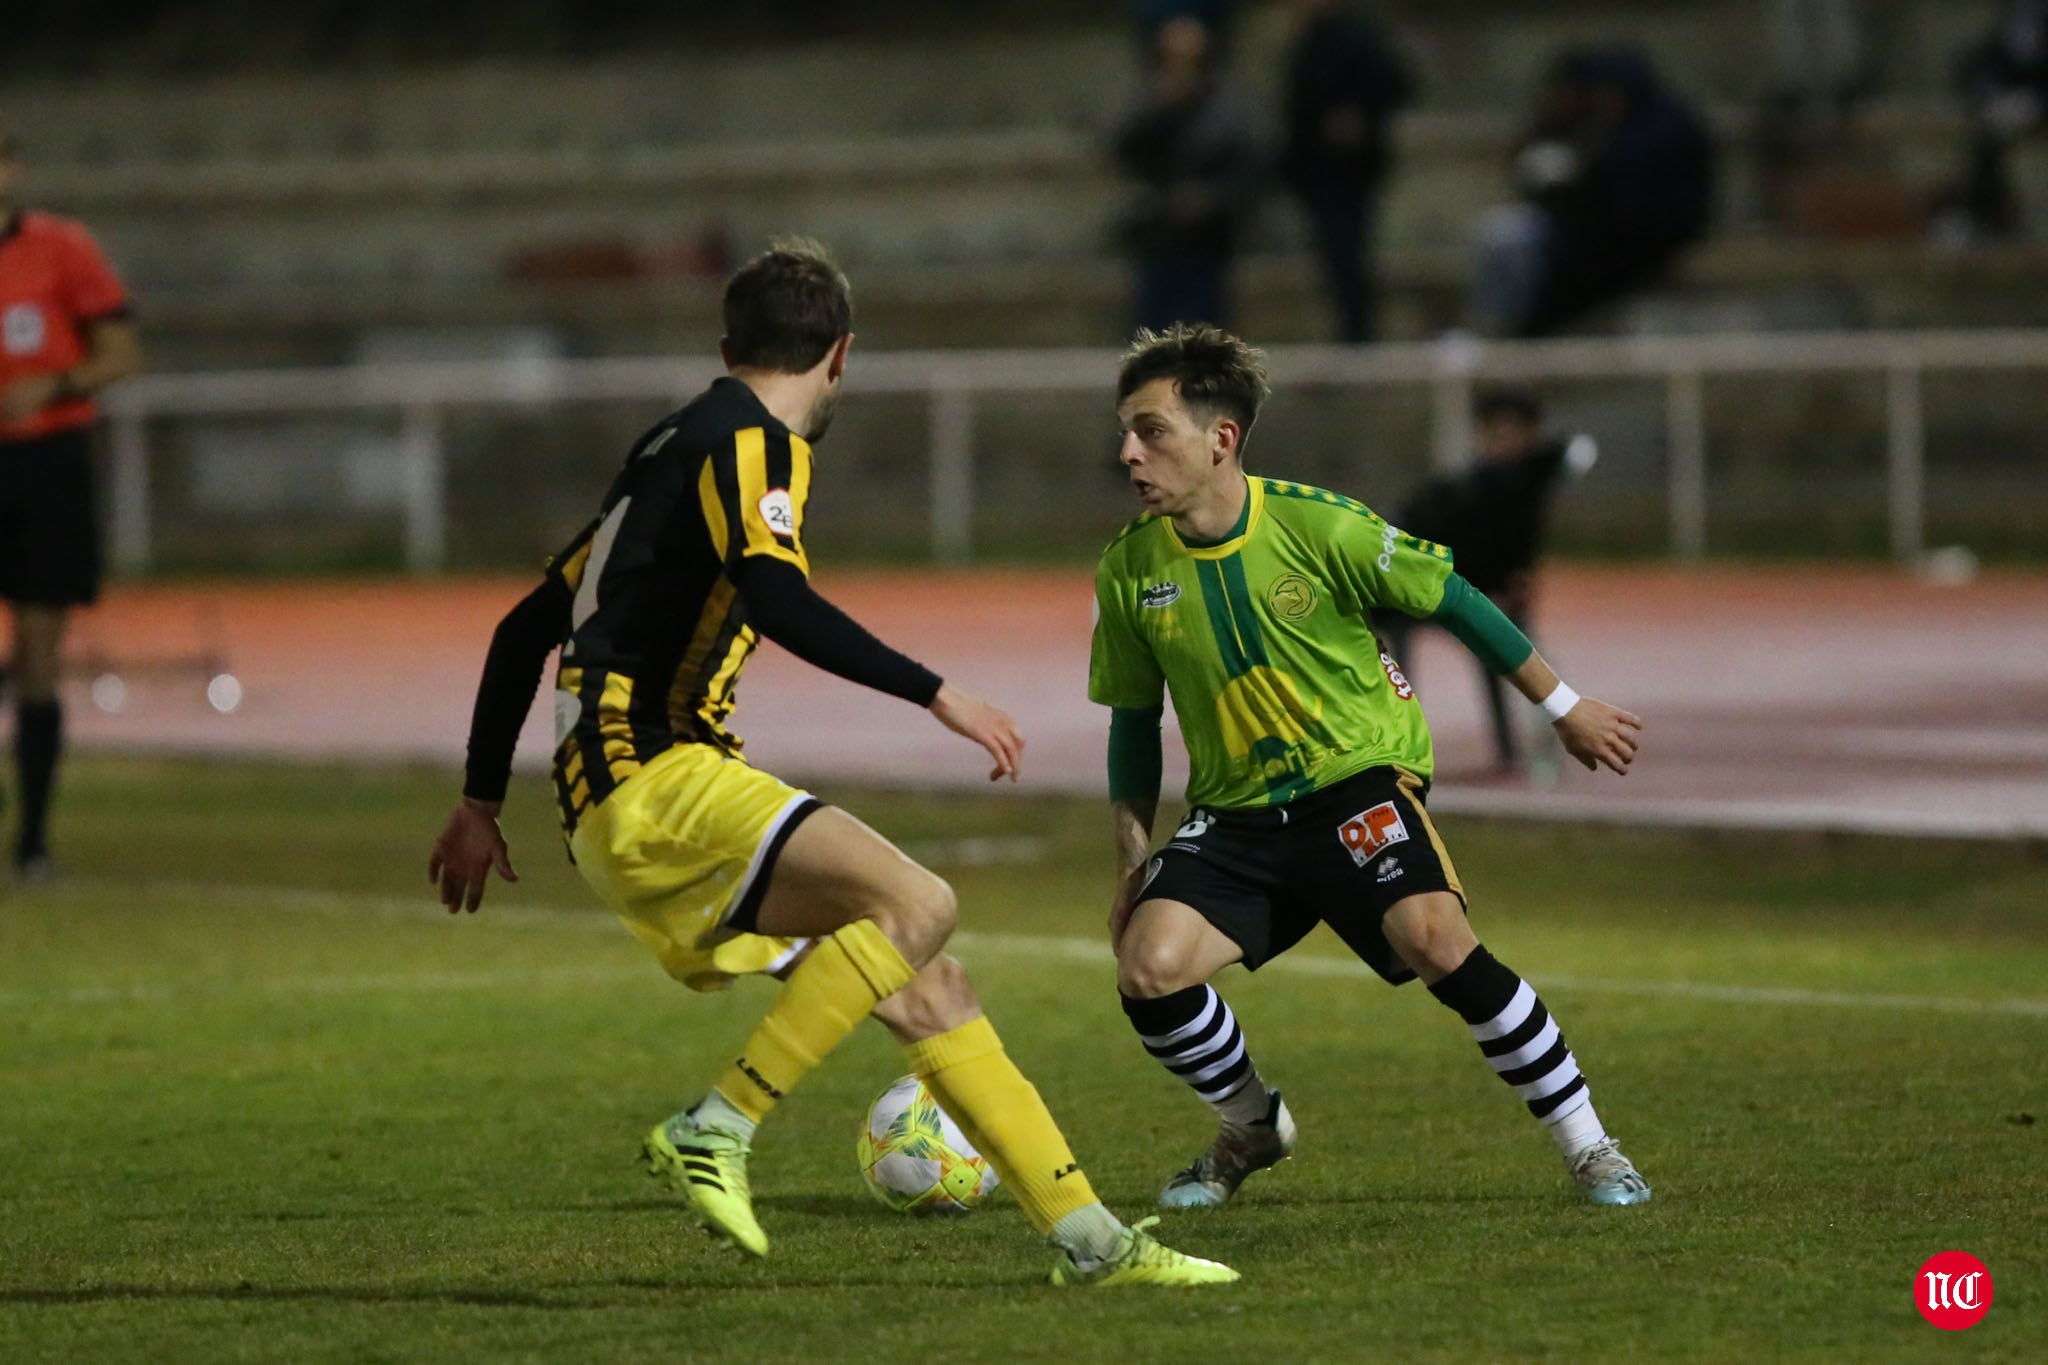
(1341, 856)
(49, 521)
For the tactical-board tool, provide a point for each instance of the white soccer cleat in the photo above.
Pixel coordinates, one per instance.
(1216, 1173)
(1607, 1176)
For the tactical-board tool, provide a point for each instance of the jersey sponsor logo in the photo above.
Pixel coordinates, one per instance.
(1291, 597)
(1372, 832)
(1390, 541)
(1403, 689)
(22, 329)
(1160, 595)
(778, 511)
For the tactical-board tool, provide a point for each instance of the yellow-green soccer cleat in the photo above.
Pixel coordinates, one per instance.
(708, 1168)
(1140, 1259)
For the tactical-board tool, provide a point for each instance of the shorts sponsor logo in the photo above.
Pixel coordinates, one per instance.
(1390, 869)
(1151, 875)
(1160, 595)
(778, 511)
(1291, 597)
(1403, 689)
(22, 329)
(1953, 1290)
(1370, 833)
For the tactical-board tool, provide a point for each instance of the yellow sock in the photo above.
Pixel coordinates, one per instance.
(828, 994)
(975, 1081)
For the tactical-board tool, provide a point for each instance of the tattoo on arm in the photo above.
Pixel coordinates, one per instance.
(1133, 832)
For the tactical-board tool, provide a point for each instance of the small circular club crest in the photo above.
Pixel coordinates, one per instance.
(1291, 597)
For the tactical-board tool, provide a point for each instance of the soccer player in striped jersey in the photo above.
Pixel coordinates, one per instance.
(1250, 601)
(721, 869)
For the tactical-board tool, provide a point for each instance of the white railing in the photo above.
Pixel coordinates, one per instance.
(951, 380)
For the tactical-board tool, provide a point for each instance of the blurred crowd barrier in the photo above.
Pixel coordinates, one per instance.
(1867, 444)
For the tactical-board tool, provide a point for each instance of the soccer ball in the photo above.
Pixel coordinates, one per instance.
(915, 1159)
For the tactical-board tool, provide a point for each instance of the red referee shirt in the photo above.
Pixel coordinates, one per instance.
(53, 280)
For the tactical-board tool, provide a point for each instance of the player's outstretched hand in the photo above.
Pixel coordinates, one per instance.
(1595, 733)
(471, 844)
(986, 725)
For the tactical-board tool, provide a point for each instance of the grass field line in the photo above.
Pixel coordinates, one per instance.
(1066, 948)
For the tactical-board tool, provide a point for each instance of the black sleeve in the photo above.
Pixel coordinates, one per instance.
(782, 605)
(519, 651)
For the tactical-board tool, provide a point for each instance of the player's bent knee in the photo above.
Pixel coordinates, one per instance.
(1149, 969)
(1432, 938)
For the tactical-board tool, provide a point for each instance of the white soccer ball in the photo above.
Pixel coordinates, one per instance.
(915, 1159)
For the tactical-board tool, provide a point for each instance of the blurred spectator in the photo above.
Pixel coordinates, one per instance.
(1819, 68)
(1345, 82)
(1819, 58)
(2004, 80)
(1616, 178)
(1217, 16)
(1192, 150)
(1493, 515)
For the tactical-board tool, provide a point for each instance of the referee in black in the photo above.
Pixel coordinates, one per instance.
(65, 333)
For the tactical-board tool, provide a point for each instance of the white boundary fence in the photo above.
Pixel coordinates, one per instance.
(951, 381)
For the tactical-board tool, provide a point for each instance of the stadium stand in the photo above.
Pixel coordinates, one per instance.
(275, 216)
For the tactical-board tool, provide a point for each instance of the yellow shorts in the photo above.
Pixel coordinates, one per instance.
(684, 845)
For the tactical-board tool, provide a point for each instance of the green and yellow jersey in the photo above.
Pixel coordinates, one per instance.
(1265, 642)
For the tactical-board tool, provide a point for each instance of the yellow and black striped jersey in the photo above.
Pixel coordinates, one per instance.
(658, 634)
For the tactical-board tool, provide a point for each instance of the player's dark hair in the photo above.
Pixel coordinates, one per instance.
(786, 308)
(1215, 372)
(1508, 401)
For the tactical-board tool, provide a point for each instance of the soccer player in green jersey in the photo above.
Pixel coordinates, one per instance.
(1250, 601)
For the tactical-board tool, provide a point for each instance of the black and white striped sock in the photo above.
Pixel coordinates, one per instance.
(1524, 1046)
(1194, 1035)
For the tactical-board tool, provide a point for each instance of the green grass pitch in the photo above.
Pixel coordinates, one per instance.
(261, 1100)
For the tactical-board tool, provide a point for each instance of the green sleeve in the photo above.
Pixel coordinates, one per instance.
(1382, 565)
(1481, 627)
(1135, 756)
(1121, 669)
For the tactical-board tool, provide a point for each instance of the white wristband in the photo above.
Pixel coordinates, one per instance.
(1560, 700)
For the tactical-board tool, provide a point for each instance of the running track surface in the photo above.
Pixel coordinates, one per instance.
(1860, 699)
